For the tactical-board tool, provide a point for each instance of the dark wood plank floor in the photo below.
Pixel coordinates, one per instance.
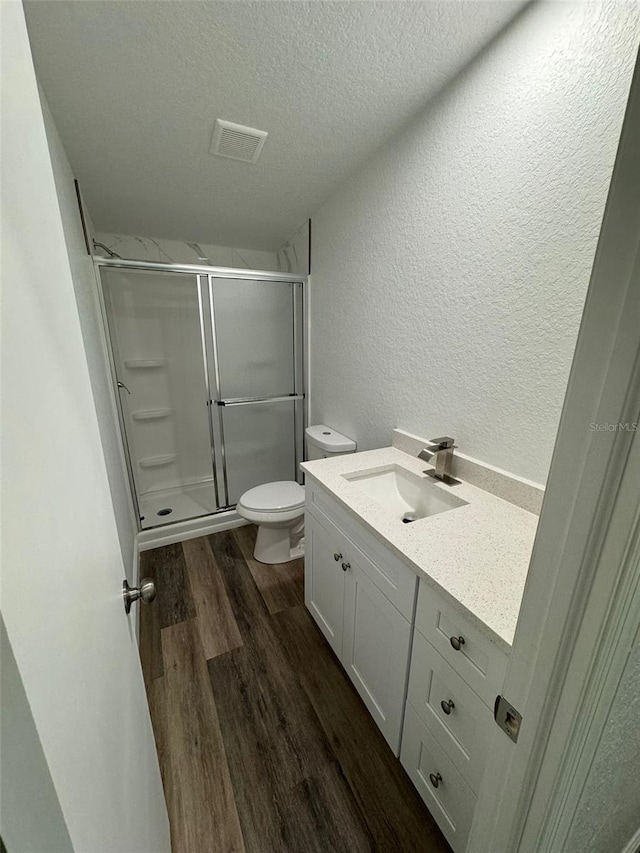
(264, 744)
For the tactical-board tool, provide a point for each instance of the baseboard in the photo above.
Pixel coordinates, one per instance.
(182, 530)
(634, 844)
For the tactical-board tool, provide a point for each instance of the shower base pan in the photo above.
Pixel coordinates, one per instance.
(179, 504)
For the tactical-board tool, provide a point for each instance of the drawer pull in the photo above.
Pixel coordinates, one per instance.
(447, 706)
(457, 642)
(337, 557)
(346, 566)
(435, 778)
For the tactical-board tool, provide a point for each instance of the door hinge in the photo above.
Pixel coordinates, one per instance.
(507, 718)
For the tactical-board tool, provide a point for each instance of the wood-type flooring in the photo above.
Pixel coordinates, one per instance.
(264, 744)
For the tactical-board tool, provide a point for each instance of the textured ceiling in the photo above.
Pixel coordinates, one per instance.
(135, 88)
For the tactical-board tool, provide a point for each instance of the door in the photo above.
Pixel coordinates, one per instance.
(258, 380)
(375, 651)
(157, 333)
(324, 580)
(74, 647)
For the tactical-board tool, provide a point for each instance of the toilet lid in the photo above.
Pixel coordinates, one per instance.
(274, 497)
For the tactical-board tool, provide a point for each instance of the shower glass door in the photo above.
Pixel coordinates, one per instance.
(258, 379)
(155, 323)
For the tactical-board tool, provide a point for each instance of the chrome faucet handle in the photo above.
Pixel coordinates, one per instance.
(443, 443)
(437, 444)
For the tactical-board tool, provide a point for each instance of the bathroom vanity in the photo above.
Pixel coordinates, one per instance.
(416, 586)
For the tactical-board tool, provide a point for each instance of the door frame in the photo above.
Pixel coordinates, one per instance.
(205, 275)
(580, 608)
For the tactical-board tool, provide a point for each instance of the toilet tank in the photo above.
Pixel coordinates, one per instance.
(322, 442)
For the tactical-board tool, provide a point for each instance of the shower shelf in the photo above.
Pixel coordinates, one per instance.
(150, 414)
(156, 461)
(136, 363)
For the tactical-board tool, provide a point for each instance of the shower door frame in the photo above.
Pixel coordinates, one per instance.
(205, 279)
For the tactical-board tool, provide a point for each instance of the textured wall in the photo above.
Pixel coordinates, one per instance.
(84, 285)
(608, 815)
(449, 274)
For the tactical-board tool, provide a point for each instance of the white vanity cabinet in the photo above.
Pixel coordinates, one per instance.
(455, 675)
(436, 710)
(363, 600)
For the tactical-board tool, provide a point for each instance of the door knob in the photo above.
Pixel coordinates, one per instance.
(146, 592)
(346, 566)
(337, 557)
(435, 779)
(122, 385)
(457, 642)
(447, 706)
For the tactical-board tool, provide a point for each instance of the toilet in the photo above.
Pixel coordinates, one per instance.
(278, 508)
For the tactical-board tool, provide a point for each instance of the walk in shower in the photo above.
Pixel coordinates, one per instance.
(208, 365)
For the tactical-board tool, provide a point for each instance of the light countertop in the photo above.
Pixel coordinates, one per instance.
(477, 554)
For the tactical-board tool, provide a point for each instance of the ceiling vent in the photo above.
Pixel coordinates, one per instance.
(236, 141)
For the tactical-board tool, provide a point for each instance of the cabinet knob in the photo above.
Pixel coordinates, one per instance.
(435, 778)
(447, 706)
(457, 642)
(337, 557)
(346, 566)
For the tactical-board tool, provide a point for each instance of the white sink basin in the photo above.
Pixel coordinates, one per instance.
(407, 496)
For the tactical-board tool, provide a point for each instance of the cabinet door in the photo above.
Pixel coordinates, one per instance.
(324, 580)
(375, 651)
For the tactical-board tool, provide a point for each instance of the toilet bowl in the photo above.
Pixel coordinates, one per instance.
(278, 508)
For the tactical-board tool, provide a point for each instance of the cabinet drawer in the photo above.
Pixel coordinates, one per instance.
(465, 731)
(392, 577)
(452, 802)
(480, 663)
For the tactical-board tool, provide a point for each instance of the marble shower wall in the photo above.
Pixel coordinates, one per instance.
(292, 256)
(136, 248)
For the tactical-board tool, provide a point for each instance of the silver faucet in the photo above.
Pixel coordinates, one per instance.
(442, 450)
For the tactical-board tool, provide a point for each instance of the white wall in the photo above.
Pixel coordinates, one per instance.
(84, 284)
(449, 274)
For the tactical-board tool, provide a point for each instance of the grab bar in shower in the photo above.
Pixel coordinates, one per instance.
(246, 401)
